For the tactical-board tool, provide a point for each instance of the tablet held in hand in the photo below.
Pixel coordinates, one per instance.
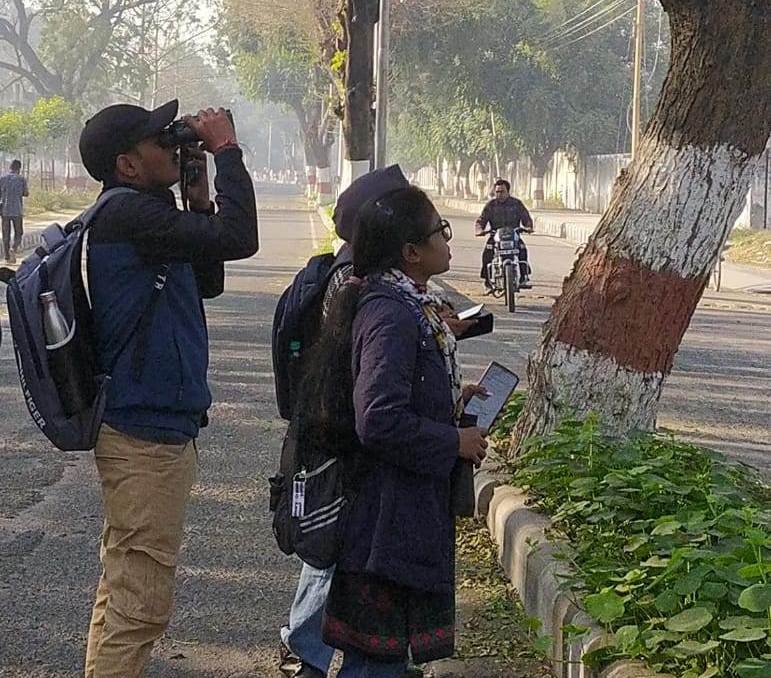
(499, 382)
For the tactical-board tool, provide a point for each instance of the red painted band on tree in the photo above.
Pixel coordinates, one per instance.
(618, 309)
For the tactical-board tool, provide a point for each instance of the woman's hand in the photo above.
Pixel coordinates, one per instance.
(470, 390)
(457, 327)
(473, 444)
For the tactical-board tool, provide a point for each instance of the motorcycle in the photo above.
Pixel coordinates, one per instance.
(504, 271)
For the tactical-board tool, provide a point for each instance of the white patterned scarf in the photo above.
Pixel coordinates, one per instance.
(428, 304)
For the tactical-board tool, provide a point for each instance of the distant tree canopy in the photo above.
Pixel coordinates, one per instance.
(47, 124)
(90, 53)
(459, 65)
(287, 53)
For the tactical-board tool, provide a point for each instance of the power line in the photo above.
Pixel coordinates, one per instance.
(585, 22)
(596, 30)
(557, 29)
(658, 48)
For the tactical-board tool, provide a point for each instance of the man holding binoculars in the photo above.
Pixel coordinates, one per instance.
(149, 265)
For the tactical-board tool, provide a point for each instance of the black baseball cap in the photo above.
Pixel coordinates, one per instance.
(370, 186)
(117, 129)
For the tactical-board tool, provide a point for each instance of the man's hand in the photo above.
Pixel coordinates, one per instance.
(198, 193)
(213, 128)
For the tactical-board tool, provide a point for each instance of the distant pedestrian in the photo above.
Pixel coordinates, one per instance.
(13, 189)
(384, 378)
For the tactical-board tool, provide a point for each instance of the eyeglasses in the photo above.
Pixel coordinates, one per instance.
(444, 228)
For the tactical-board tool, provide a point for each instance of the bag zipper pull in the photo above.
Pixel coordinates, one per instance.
(298, 495)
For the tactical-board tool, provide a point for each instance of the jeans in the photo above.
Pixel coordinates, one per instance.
(303, 635)
(357, 665)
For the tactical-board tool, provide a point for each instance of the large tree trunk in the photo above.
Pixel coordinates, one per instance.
(462, 181)
(359, 17)
(317, 144)
(323, 170)
(613, 333)
(539, 166)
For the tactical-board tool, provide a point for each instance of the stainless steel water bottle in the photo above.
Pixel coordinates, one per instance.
(70, 383)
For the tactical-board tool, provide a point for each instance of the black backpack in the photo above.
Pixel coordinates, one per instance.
(296, 325)
(316, 484)
(57, 266)
(62, 385)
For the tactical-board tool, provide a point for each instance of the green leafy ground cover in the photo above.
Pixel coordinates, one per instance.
(669, 545)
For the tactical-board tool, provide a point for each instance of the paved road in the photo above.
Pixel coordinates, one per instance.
(720, 389)
(235, 587)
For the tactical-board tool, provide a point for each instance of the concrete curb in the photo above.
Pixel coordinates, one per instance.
(529, 563)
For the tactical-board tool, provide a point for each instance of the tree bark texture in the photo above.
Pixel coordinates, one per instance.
(462, 182)
(613, 334)
(540, 163)
(360, 17)
(313, 131)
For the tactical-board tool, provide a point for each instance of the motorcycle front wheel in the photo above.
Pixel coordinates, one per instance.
(510, 287)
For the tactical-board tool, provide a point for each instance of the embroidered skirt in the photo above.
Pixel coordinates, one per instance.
(382, 620)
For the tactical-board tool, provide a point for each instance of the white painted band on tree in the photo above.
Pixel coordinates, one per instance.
(324, 184)
(681, 208)
(352, 170)
(324, 180)
(577, 382)
(323, 175)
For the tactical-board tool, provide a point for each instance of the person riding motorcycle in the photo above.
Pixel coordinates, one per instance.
(503, 211)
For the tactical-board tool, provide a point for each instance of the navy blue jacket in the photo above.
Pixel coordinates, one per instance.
(401, 526)
(131, 237)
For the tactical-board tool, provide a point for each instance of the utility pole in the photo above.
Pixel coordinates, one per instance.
(382, 59)
(270, 144)
(495, 144)
(639, 32)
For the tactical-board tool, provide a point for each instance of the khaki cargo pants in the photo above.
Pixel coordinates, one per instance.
(145, 489)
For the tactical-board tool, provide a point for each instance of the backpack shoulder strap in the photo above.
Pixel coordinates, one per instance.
(86, 218)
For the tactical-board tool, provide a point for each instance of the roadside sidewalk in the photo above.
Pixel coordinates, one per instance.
(575, 228)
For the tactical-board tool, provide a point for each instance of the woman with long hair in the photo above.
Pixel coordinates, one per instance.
(384, 385)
